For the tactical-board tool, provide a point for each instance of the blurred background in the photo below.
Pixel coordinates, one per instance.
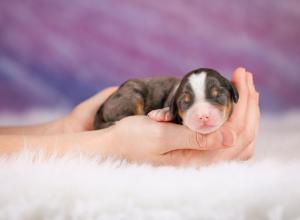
(54, 54)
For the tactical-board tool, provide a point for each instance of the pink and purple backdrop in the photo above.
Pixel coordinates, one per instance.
(59, 52)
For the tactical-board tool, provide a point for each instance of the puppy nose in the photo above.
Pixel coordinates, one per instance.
(204, 118)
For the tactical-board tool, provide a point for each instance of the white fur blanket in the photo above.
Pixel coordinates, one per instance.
(76, 187)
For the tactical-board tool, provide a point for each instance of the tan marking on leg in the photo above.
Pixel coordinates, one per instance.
(139, 109)
(181, 114)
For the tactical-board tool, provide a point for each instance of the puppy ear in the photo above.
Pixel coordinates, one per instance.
(234, 93)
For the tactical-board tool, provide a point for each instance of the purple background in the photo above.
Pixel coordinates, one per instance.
(60, 52)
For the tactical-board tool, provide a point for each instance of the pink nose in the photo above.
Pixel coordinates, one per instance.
(204, 118)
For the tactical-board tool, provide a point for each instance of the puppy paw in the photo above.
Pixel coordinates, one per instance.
(163, 114)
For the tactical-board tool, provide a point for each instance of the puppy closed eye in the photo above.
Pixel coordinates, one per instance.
(218, 95)
(187, 98)
(222, 98)
(214, 92)
(184, 101)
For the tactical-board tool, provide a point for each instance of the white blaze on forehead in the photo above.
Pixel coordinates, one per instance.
(197, 82)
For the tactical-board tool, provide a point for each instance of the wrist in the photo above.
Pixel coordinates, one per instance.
(106, 142)
(94, 143)
(48, 128)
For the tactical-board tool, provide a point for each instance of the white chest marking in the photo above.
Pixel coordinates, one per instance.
(197, 82)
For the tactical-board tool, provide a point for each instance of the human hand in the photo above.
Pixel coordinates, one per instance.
(140, 139)
(245, 119)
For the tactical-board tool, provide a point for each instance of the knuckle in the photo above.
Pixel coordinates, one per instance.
(252, 94)
(250, 152)
(245, 157)
(257, 95)
(248, 155)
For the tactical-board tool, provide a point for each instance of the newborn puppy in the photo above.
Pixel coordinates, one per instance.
(202, 100)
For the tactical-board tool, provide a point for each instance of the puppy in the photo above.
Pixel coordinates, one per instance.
(202, 100)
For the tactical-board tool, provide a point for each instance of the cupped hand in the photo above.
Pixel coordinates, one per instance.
(143, 140)
(140, 139)
(235, 140)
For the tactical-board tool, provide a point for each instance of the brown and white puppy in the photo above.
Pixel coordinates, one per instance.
(202, 100)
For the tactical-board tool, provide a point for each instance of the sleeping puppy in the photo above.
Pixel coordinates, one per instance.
(202, 100)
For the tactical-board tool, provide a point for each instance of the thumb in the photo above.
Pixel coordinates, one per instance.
(100, 97)
(179, 137)
(91, 105)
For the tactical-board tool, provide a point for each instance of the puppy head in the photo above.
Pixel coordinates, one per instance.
(203, 100)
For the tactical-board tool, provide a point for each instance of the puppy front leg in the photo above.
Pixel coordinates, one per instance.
(162, 115)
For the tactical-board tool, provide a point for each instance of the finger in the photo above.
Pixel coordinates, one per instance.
(175, 137)
(100, 97)
(239, 79)
(90, 106)
(252, 117)
(86, 110)
(248, 133)
(248, 152)
(245, 152)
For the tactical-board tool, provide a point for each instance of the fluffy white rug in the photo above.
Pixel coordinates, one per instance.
(76, 187)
